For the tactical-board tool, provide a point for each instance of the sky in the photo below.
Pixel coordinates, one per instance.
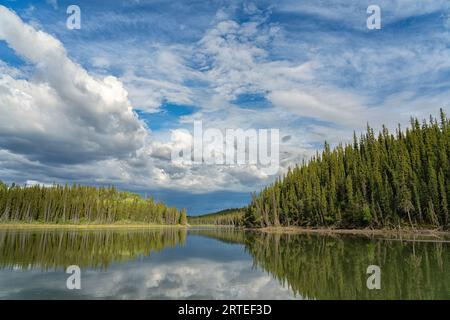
(109, 102)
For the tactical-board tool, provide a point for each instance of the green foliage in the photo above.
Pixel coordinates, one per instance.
(183, 217)
(379, 182)
(80, 204)
(232, 217)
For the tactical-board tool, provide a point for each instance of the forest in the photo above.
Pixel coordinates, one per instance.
(82, 204)
(378, 181)
(231, 217)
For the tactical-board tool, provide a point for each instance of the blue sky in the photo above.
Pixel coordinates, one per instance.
(98, 105)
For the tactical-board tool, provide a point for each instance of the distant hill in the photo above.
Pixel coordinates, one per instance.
(232, 216)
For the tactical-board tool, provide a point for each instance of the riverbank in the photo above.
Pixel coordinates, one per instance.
(405, 232)
(118, 225)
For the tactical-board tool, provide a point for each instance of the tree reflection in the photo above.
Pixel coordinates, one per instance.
(313, 266)
(47, 249)
(331, 267)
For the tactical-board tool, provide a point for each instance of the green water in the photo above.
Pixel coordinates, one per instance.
(207, 263)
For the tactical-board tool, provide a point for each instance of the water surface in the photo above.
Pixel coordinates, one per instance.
(209, 263)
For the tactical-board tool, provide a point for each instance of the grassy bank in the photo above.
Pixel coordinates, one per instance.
(120, 224)
(404, 232)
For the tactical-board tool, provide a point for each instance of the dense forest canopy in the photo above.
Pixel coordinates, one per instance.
(232, 217)
(378, 181)
(81, 204)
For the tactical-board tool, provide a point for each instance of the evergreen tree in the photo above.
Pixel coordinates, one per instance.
(183, 217)
(80, 204)
(377, 181)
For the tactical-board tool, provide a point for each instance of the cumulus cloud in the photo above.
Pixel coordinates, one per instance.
(315, 85)
(63, 124)
(61, 114)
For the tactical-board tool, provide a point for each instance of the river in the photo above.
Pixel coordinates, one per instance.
(218, 263)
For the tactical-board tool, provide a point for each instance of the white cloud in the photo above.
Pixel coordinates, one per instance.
(31, 183)
(101, 62)
(354, 13)
(148, 94)
(64, 124)
(61, 114)
(325, 104)
(69, 124)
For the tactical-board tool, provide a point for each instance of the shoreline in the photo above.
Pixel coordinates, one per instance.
(282, 229)
(86, 226)
(324, 230)
(360, 232)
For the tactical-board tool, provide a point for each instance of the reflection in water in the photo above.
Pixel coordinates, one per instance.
(330, 267)
(86, 248)
(229, 235)
(222, 263)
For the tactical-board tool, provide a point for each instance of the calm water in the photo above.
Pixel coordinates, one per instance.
(218, 264)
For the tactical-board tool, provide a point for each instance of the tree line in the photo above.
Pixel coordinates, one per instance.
(82, 204)
(233, 217)
(383, 181)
